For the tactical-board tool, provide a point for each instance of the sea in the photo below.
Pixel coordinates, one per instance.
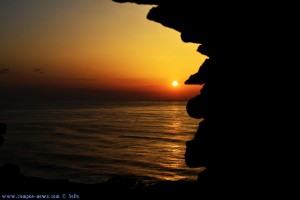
(90, 142)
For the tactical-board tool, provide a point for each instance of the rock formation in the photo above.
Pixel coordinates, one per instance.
(2, 131)
(197, 24)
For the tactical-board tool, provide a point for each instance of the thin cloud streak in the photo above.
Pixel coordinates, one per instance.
(5, 71)
(39, 70)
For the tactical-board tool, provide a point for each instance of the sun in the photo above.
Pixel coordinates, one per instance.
(175, 83)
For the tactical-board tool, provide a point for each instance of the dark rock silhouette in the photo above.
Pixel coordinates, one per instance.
(124, 183)
(12, 182)
(3, 129)
(9, 171)
(197, 107)
(197, 150)
(201, 76)
(196, 23)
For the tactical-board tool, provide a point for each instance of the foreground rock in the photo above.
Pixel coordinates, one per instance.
(3, 128)
(13, 183)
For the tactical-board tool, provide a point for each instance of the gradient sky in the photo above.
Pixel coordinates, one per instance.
(94, 49)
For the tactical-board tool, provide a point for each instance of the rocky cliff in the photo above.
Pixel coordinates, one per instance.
(198, 23)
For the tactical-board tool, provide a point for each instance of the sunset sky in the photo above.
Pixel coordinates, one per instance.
(74, 49)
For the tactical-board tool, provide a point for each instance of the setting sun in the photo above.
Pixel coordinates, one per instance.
(175, 83)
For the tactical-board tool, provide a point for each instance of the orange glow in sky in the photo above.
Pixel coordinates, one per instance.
(93, 49)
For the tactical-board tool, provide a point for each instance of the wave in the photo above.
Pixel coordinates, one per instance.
(151, 138)
(90, 142)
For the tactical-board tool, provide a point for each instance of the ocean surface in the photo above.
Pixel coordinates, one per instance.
(91, 142)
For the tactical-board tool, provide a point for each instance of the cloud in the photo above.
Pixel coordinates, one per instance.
(85, 79)
(39, 70)
(4, 71)
(151, 2)
(76, 79)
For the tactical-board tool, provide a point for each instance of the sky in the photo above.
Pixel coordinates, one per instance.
(91, 49)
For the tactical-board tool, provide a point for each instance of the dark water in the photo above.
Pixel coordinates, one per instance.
(90, 142)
